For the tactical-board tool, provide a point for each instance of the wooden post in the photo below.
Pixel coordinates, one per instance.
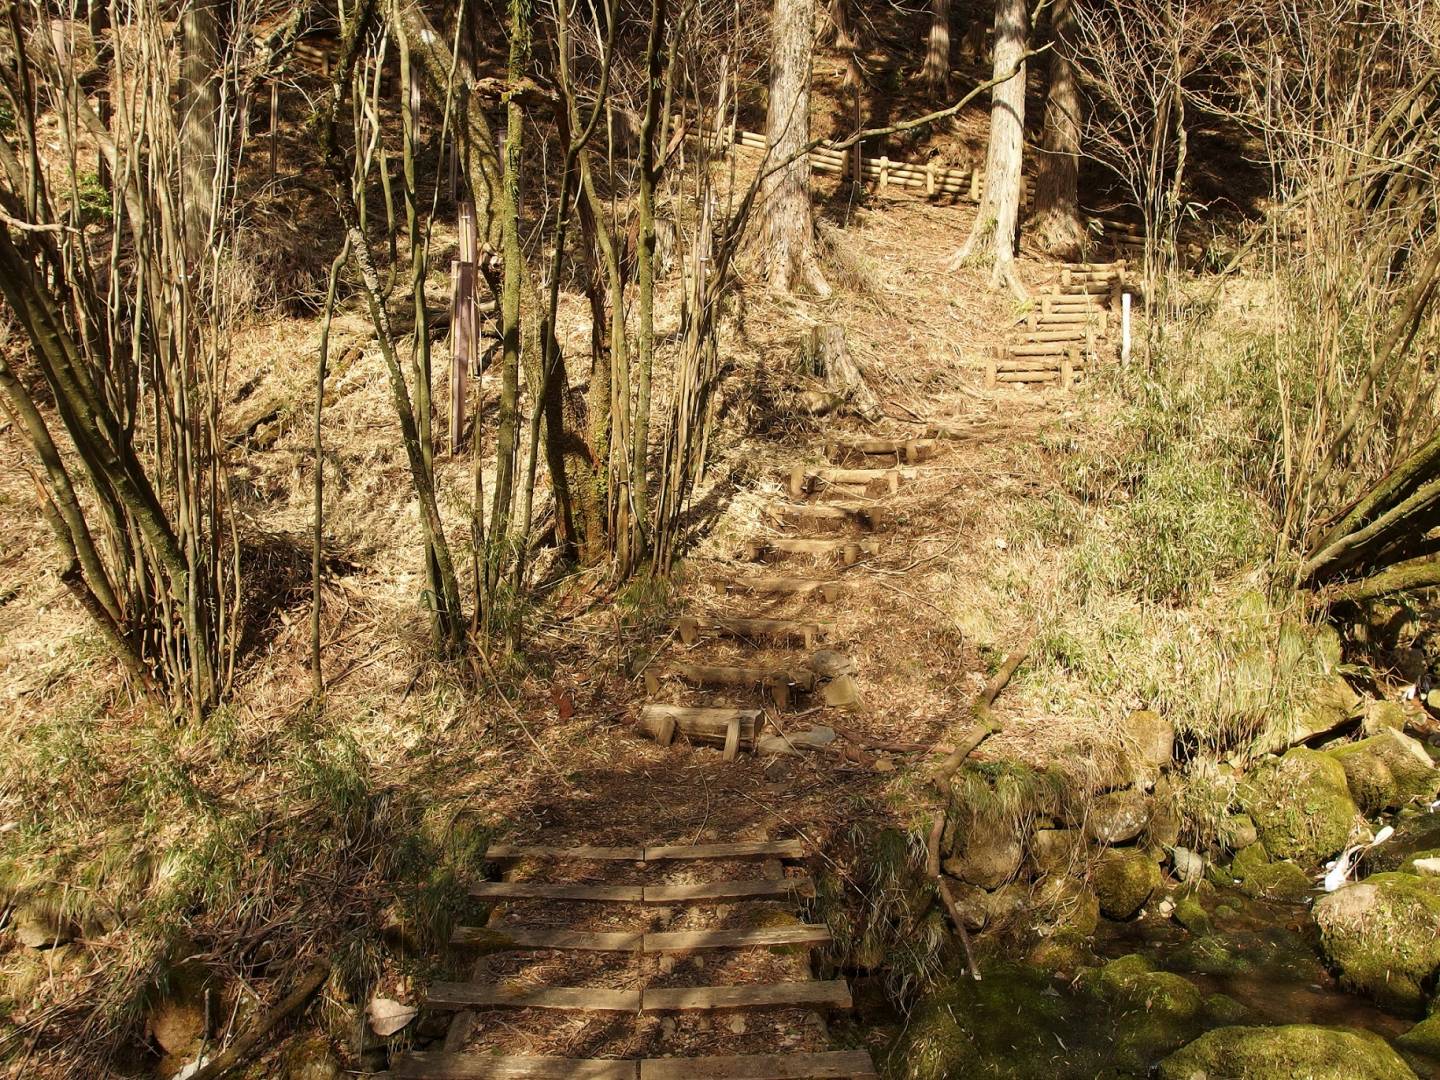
(1067, 368)
(929, 178)
(274, 127)
(884, 172)
(1125, 328)
(464, 322)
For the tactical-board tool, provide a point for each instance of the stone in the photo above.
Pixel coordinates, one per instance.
(884, 764)
(1006, 904)
(1053, 851)
(177, 1020)
(841, 692)
(1283, 881)
(1149, 738)
(972, 902)
(829, 664)
(1223, 1009)
(988, 859)
(1118, 816)
(1132, 982)
(1381, 935)
(1188, 866)
(1191, 914)
(1381, 715)
(1387, 770)
(793, 742)
(1248, 860)
(311, 1058)
(1124, 881)
(1282, 1053)
(1423, 1038)
(38, 928)
(1163, 829)
(1238, 831)
(1331, 705)
(1425, 866)
(1301, 806)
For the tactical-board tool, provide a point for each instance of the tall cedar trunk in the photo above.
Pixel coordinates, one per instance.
(998, 217)
(789, 217)
(936, 71)
(1056, 224)
(199, 118)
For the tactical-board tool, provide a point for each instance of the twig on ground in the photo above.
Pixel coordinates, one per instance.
(239, 1051)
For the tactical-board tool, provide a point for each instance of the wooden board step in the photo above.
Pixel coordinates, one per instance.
(831, 1065)
(830, 994)
(507, 852)
(727, 891)
(911, 451)
(509, 996)
(525, 939)
(780, 684)
(545, 890)
(827, 590)
(869, 517)
(435, 1065)
(804, 479)
(736, 849)
(684, 941)
(848, 551)
(733, 729)
(690, 627)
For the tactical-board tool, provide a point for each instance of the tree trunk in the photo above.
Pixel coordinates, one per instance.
(199, 119)
(996, 222)
(789, 217)
(837, 30)
(1056, 222)
(936, 70)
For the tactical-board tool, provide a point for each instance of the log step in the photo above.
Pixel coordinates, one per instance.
(869, 517)
(684, 941)
(780, 684)
(545, 890)
(509, 996)
(831, 1065)
(730, 728)
(727, 891)
(848, 551)
(690, 627)
(436, 1065)
(829, 591)
(830, 994)
(738, 849)
(524, 939)
(912, 451)
(506, 852)
(803, 479)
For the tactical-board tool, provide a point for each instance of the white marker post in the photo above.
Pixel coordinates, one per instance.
(1125, 329)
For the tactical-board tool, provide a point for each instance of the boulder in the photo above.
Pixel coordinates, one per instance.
(793, 742)
(1426, 864)
(1191, 914)
(1133, 982)
(1283, 881)
(312, 1059)
(989, 858)
(177, 1020)
(1223, 1009)
(1387, 770)
(37, 927)
(1283, 1053)
(1384, 715)
(841, 692)
(1381, 934)
(1054, 850)
(1163, 829)
(1238, 831)
(1188, 866)
(1423, 1038)
(1331, 705)
(1124, 881)
(1301, 806)
(1118, 816)
(1149, 738)
(973, 904)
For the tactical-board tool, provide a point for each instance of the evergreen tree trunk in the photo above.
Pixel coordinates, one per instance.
(936, 70)
(994, 233)
(789, 217)
(199, 119)
(1056, 222)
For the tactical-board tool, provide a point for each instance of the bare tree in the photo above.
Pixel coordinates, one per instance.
(935, 72)
(995, 232)
(1056, 223)
(788, 214)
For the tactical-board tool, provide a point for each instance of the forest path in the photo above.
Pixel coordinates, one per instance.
(653, 924)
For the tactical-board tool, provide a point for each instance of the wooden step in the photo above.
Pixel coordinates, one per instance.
(831, 994)
(506, 852)
(435, 1065)
(521, 938)
(690, 627)
(912, 451)
(832, 1065)
(545, 890)
(848, 551)
(727, 891)
(829, 591)
(683, 941)
(780, 684)
(738, 849)
(509, 996)
(733, 729)
(1042, 348)
(869, 517)
(804, 479)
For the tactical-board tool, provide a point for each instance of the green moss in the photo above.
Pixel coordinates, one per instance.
(1191, 914)
(1284, 1053)
(1301, 806)
(1387, 770)
(1408, 866)
(1282, 881)
(1381, 934)
(1248, 860)
(1124, 880)
(1223, 1009)
(1423, 1038)
(1132, 982)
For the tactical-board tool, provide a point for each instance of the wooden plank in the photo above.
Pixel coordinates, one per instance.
(848, 550)
(435, 1065)
(871, 517)
(707, 725)
(830, 994)
(796, 586)
(830, 1065)
(691, 627)
(737, 849)
(448, 995)
(504, 852)
(518, 938)
(1028, 376)
(682, 941)
(718, 891)
(548, 890)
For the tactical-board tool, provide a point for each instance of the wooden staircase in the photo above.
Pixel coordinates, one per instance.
(1057, 340)
(645, 956)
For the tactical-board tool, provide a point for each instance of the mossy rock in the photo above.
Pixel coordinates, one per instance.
(1132, 982)
(1381, 934)
(1191, 914)
(1283, 881)
(1409, 867)
(1209, 954)
(1285, 1053)
(311, 1058)
(1423, 1038)
(1238, 831)
(1387, 770)
(1301, 806)
(1248, 860)
(1124, 881)
(1223, 1009)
